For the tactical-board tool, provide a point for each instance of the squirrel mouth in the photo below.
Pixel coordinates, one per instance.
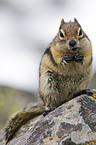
(74, 49)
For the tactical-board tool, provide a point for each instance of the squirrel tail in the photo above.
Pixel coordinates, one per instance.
(20, 119)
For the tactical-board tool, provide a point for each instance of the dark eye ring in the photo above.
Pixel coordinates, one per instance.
(61, 35)
(80, 32)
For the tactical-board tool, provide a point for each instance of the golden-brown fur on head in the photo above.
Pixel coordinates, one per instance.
(70, 29)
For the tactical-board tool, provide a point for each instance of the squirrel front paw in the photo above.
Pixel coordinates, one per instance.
(68, 58)
(77, 58)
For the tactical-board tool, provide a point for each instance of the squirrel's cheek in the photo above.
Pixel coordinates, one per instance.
(84, 44)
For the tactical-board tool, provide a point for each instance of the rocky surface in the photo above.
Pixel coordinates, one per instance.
(72, 123)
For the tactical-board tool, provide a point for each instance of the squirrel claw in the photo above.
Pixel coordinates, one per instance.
(68, 58)
(48, 111)
(78, 58)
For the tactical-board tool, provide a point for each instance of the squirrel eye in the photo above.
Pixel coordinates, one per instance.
(80, 32)
(61, 35)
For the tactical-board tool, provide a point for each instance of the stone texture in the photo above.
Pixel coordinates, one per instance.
(72, 123)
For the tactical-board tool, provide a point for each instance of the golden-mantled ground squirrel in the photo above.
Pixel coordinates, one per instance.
(64, 71)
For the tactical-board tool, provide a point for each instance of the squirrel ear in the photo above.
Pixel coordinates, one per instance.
(75, 20)
(62, 22)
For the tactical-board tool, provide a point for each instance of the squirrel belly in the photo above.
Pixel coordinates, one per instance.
(65, 69)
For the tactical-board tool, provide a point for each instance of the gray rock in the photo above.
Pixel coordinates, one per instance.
(72, 123)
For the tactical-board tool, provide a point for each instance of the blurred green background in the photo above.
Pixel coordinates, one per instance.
(13, 100)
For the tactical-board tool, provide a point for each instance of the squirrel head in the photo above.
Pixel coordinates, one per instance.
(71, 38)
(70, 29)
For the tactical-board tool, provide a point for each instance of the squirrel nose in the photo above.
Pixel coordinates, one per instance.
(72, 43)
